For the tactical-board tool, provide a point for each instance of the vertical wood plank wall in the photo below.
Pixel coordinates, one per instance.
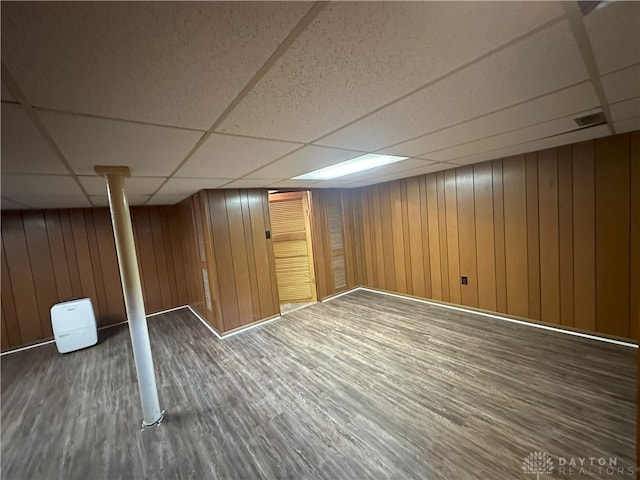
(49, 256)
(195, 296)
(322, 244)
(551, 235)
(548, 235)
(239, 258)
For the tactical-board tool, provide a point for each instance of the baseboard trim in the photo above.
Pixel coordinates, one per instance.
(265, 321)
(47, 342)
(337, 295)
(532, 324)
(257, 323)
(235, 331)
(204, 322)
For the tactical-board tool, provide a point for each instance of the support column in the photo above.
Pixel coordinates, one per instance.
(132, 289)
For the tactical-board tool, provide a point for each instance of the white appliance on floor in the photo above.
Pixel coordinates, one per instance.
(74, 325)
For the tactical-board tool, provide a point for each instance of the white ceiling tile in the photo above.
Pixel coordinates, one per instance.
(96, 185)
(167, 199)
(614, 34)
(14, 184)
(133, 200)
(24, 149)
(508, 77)
(558, 104)
(289, 183)
(147, 150)
(250, 183)
(436, 167)
(52, 201)
(189, 186)
(172, 63)
(515, 137)
(622, 84)
(625, 109)
(358, 56)
(6, 94)
(8, 204)
(628, 125)
(304, 160)
(230, 156)
(536, 145)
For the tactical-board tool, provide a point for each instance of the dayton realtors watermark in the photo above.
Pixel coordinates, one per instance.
(542, 463)
(603, 466)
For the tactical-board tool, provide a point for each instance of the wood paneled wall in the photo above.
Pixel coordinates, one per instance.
(322, 243)
(548, 235)
(238, 266)
(188, 215)
(49, 256)
(551, 235)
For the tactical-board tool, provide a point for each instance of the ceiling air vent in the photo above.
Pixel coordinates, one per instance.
(591, 120)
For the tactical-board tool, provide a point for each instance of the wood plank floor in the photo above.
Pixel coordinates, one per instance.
(286, 308)
(363, 387)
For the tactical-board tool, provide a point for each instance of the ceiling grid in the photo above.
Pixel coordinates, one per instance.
(252, 94)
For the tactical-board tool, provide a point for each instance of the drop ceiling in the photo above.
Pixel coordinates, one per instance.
(194, 95)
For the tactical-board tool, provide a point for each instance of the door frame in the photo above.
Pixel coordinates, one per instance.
(305, 196)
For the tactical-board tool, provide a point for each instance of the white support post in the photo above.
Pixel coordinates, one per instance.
(132, 289)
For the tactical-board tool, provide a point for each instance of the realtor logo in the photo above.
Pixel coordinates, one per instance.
(538, 463)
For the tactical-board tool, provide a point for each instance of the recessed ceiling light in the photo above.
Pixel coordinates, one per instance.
(358, 164)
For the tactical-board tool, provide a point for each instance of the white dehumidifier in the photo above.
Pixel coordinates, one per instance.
(74, 325)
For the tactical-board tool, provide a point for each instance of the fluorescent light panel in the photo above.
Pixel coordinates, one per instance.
(358, 164)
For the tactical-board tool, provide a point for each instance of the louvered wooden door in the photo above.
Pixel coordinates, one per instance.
(291, 235)
(336, 241)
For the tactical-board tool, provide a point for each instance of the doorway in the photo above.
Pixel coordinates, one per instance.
(293, 249)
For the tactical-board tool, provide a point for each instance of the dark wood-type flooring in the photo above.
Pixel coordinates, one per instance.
(363, 387)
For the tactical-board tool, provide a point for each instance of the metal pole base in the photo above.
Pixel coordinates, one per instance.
(146, 425)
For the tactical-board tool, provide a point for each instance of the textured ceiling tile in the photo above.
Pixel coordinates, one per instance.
(53, 201)
(96, 185)
(536, 145)
(8, 204)
(515, 137)
(189, 186)
(510, 76)
(437, 167)
(574, 99)
(623, 84)
(628, 125)
(625, 109)
(133, 200)
(358, 56)
(13, 184)
(304, 160)
(614, 34)
(167, 199)
(147, 150)
(251, 183)
(289, 183)
(6, 94)
(24, 150)
(229, 156)
(173, 63)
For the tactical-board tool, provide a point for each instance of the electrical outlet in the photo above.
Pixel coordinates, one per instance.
(464, 280)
